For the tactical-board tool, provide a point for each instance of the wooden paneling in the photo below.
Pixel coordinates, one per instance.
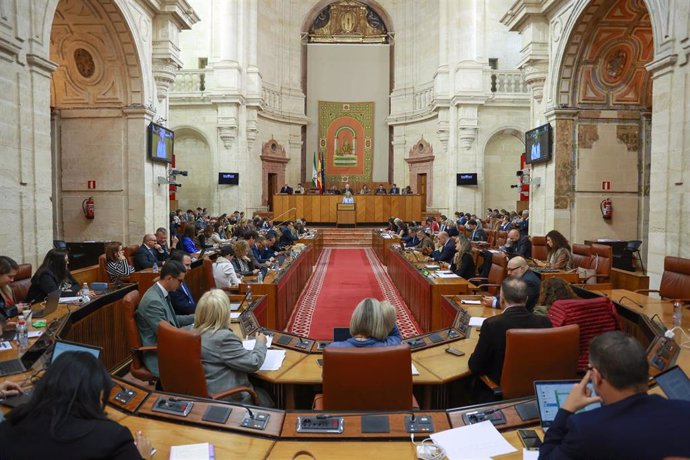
(370, 208)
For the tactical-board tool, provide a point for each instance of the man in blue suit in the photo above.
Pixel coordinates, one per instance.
(478, 233)
(631, 423)
(447, 250)
(181, 298)
(149, 252)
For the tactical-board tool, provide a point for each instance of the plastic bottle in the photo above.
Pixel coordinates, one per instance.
(85, 293)
(260, 277)
(155, 267)
(22, 334)
(249, 293)
(677, 313)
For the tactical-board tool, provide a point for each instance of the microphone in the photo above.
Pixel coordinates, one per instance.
(620, 301)
(125, 394)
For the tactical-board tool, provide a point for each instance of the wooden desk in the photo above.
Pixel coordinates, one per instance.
(421, 294)
(282, 289)
(381, 241)
(315, 241)
(370, 208)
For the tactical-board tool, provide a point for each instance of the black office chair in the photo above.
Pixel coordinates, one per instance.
(634, 248)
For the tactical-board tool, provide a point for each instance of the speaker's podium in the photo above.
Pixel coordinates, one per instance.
(345, 214)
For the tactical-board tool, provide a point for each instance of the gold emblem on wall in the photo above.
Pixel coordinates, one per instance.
(348, 21)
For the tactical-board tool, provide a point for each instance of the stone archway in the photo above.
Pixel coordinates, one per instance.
(604, 94)
(502, 153)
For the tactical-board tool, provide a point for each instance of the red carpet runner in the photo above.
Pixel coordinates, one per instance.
(343, 277)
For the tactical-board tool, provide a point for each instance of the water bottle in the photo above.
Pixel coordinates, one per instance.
(677, 313)
(155, 267)
(22, 334)
(249, 293)
(85, 293)
(260, 277)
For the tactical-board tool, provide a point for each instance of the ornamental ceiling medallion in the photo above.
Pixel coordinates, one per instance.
(348, 21)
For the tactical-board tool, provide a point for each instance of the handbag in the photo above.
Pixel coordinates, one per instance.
(587, 275)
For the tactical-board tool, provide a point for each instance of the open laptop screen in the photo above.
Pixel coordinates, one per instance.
(62, 346)
(675, 383)
(551, 394)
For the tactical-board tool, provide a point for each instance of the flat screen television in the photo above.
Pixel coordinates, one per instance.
(229, 178)
(538, 144)
(467, 178)
(161, 142)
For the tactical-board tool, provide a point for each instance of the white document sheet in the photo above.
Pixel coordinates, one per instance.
(274, 359)
(234, 315)
(414, 370)
(5, 345)
(530, 454)
(34, 334)
(476, 321)
(203, 451)
(249, 344)
(478, 441)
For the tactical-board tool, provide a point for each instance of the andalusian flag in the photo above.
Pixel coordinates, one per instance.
(322, 173)
(316, 175)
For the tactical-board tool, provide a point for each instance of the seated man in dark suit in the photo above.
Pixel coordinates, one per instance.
(348, 189)
(447, 249)
(489, 353)
(631, 423)
(149, 253)
(516, 245)
(517, 268)
(181, 298)
(416, 238)
(478, 233)
(380, 190)
(395, 190)
(155, 307)
(162, 240)
(286, 189)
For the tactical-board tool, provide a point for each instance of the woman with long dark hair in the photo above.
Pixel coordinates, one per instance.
(559, 254)
(53, 274)
(65, 417)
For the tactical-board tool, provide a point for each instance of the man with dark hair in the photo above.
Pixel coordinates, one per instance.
(517, 268)
(631, 423)
(155, 307)
(478, 233)
(181, 298)
(489, 353)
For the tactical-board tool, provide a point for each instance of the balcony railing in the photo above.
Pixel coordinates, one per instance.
(508, 82)
(189, 81)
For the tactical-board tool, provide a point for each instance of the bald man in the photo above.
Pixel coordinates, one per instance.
(516, 245)
(517, 268)
(446, 251)
(149, 253)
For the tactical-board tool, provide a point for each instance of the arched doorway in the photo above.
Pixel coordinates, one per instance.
(602, 125)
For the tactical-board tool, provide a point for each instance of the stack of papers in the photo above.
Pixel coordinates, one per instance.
(249, 344)
(476, 321)
(446, 274)
(274, 359)
(481, 440)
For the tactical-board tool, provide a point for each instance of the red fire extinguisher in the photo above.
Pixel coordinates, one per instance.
(89, 208)
(606, 207)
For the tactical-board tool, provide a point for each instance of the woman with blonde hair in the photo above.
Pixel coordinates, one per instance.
(242, 262)
(372, 325)
(226, 362)
(463, 262)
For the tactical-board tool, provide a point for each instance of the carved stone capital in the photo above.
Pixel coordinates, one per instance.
(466, 137)
(443, 132)
(164, 72)
(535, 76)
(227, 135)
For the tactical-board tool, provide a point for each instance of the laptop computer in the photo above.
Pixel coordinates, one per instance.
(51, 305)
(551, 394)
(674, 383)
(63, 346)
(60, 347)
(28, 359)
(340, 334)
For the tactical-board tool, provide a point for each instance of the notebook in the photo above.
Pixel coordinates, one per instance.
(340, 334)
(63, 346)
(51, 305)
(551, 394)
(674, 383)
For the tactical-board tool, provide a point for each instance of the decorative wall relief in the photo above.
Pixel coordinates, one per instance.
(630, 136)
(348, 21)
(587, 135)
(563, 163)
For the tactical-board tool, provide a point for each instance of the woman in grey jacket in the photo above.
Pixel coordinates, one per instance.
(226, 362)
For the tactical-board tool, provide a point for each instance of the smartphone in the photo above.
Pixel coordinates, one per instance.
(530, 439)
(319, 362)
(455, 351)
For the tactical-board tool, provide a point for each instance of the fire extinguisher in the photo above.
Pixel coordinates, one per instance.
(89, 208)
(606, 207)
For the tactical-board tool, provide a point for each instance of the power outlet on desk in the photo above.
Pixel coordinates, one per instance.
(320, 424)
(662, 354)
(303, 344)
(124, 396)
(256, 421)
(419, 424)
(494, 415)
(415, 343)
(173, 406)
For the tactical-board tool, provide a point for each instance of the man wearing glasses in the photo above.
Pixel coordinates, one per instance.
(155, 307)
(149, 252)
(517, 268)
(631, 423)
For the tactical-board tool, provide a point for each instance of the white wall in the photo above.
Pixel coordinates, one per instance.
(350, 73)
